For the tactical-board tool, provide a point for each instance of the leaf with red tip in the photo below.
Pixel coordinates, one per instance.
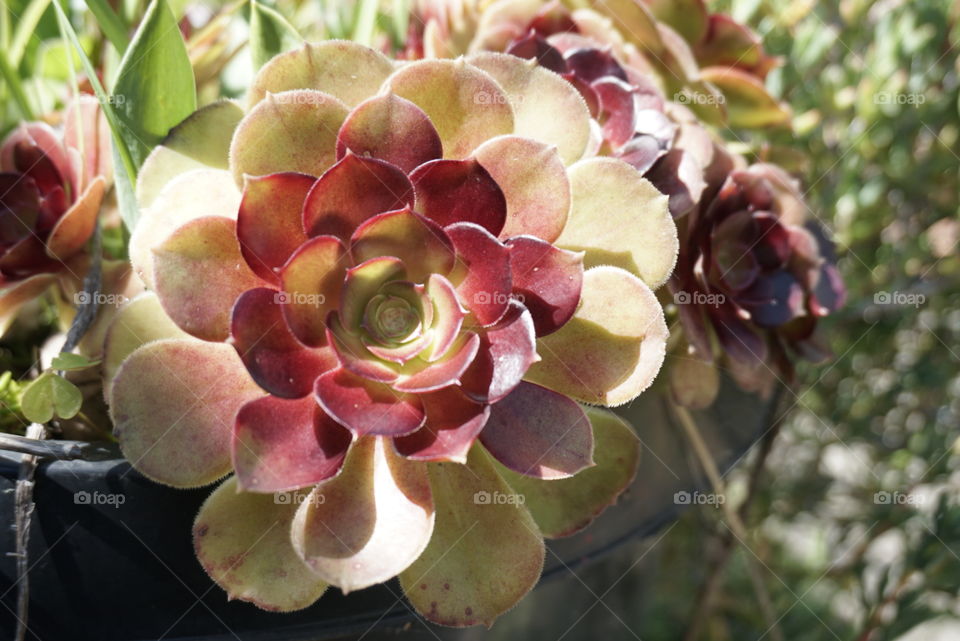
(453, 424)
(534, 184)
(546, 107)
(420, 376)
(465, 104)
(540, 433)
(618, 109)
(269, 221)
(485, 554)
(288, 131)
(392, 129)
(311, 282)
(459, 191)
(347, 70)
(176, 204)
(618, 218)
(547, 280)
(281, 444)
(242, 540)
(506, 352)
(173, 403)
(368, 524)
(74, 229)
(276, 360)
(422, 246)
(199, 273)
(562, 507)
(352, 191)
(365, 407)
(482, 273)
(612, 348)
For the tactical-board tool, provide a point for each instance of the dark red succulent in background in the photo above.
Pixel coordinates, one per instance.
(755, 274)
(51, 188)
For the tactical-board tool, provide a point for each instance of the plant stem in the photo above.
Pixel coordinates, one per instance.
(737, 529)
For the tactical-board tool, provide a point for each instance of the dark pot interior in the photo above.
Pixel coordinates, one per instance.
(105, 572)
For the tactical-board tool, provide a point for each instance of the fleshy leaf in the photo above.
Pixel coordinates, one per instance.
(347, 70)
(748, 102)
(242, 540)
(366, 407)
(546, 107)
(276, 360)
(177, 204)
(15, 295)
(565, 506)
(289, 131)
(612, 348)
(534, 184)
(201, 140)
(506, 352)
(173, 403)
(137, 323)
(459, 191)
(390, 128)
(620, 219)
(269, 221)
(485, 554)
(547, 280)
(420, 376)
(465, 104)
(311, 281)
(368, 524)
(74, 229)
(687, 17)
(539, 433)
(482, 275)
(694, 383)
(453, 424)
(353, 191)
(281, 444)
(419, 242)
(199, 273)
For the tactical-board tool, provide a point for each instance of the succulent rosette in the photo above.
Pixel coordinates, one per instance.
(706, 60)
(380, 296)
(756, 276)
(51, 187)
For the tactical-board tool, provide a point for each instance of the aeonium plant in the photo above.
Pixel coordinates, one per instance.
(754, 277)
(389, 300)
(52, 184)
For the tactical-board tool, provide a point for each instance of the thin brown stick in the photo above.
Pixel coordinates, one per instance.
(23, 513)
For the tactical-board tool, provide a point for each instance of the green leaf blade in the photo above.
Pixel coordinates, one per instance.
(155, 87)
(270, 34)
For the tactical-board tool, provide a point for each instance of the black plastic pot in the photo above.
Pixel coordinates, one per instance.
(109, 572)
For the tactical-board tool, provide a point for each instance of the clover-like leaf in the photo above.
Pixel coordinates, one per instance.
(50, 395)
